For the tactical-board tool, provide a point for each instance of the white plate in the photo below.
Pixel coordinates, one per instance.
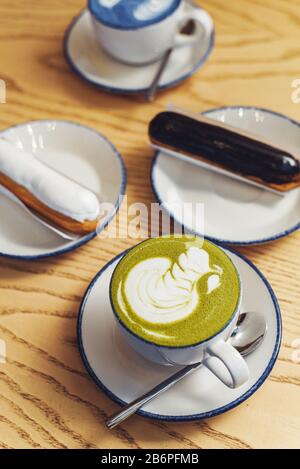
(80, 153)
(123, 375)
(90, 62)
(234, 212)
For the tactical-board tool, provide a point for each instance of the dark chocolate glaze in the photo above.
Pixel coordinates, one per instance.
(224, 147)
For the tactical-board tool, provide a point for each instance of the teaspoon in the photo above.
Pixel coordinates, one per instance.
(248, 334)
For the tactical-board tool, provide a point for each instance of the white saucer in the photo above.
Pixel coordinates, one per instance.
(76, 151)
(123, 375)
(234, 212)
(90, 62)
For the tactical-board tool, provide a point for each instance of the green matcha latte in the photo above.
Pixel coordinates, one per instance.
(175, 291)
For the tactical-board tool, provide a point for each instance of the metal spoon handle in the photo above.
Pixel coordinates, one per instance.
(255, 328)
(64, 234)
(151, 93)
(132, 407)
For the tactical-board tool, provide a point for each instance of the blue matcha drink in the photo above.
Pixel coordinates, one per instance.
(132, 14)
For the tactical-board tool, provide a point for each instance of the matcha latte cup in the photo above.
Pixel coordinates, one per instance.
(176, 300)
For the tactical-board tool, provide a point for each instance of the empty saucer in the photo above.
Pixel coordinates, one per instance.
(91, 63)
(234, 212)
(124, 375)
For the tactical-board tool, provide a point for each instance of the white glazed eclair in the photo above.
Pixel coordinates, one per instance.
(51, 195)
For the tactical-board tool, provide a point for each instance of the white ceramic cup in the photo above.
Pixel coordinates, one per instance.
(215, 353)
(147, 44)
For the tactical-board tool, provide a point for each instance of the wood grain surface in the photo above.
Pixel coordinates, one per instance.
(47, 399)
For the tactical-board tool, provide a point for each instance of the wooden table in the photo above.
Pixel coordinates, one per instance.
(47, 398)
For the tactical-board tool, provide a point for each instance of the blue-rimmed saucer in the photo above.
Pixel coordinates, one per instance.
(123, 375)
(234, 212)
(90, 62)
(79, 152)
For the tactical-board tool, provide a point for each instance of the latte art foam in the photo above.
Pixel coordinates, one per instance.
(175, 290)
(132, 14)
(160, 291)
(150, 9)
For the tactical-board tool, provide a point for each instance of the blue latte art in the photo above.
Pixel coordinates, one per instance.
(132, 14)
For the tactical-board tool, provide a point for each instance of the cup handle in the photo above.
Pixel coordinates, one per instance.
(202, 19)
(227, 364)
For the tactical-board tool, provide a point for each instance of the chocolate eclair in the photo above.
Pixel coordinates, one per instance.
(225, 148)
